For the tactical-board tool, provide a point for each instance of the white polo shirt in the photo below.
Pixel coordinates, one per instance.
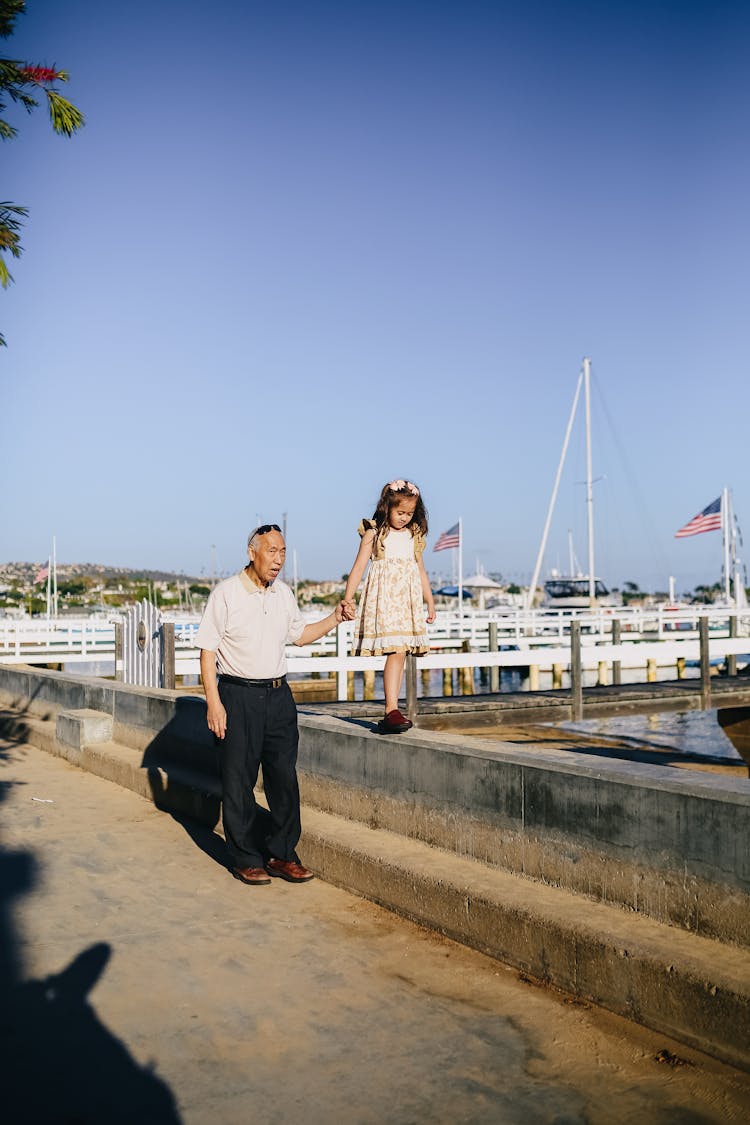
(247, 626)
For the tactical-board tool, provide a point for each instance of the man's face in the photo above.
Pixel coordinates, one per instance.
(267, 556)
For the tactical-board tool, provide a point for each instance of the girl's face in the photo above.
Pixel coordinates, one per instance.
(401, 513)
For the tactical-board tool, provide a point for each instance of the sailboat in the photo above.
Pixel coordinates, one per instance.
(574, 591)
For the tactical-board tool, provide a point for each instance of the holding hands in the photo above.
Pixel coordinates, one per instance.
(348, 609)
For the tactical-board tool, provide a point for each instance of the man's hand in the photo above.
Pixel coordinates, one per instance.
(217, 719)
(349, 610)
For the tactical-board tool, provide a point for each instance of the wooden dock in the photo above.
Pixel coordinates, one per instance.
(555, 706)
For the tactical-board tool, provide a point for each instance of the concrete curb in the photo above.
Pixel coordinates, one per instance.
(691, 988)
(694, 989)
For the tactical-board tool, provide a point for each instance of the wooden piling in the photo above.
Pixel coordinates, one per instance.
(576, 672)
(368, 688)
(680, 667)
(493, 647)
(350, 691)
(466, 675)
(168, 675)
(601, 677)
(705, 664)
(118, 650)
(731, 657)
(616, 640)
(533, 677)
(447, 681)
(557, 676)
(651, 673)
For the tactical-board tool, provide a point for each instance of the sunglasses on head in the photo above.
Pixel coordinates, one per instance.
(264, 528)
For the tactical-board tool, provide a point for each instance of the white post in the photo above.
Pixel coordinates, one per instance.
(589, 487)
(49, 586)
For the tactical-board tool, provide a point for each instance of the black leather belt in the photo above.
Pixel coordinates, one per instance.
(238, 680)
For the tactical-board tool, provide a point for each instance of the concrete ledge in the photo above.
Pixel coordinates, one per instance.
(667, 843)
(694, 989)
(176, 788)
(660, 841)
(81, 728)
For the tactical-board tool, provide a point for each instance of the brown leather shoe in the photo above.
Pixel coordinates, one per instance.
(394, 723)
(253, 876)
(290, 870)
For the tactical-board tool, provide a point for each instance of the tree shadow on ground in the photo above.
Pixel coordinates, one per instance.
(60, 1064)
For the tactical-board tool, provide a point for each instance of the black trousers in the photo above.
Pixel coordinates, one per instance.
(261, 730)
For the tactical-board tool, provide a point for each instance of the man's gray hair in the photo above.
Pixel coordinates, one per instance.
(261, 529)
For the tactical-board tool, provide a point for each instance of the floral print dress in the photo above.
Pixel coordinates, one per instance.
(391, 616)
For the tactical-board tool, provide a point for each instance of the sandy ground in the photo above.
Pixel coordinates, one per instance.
(141, 983)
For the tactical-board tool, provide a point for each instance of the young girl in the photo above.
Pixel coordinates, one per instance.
(391, 616)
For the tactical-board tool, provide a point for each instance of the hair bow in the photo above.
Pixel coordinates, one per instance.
(403, 486)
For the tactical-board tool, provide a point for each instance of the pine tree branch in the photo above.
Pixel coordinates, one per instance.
(65, 117)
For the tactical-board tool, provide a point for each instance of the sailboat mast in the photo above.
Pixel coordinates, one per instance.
(589, 483)
(550, 510)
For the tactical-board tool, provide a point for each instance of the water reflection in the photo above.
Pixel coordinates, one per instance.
(684, 732)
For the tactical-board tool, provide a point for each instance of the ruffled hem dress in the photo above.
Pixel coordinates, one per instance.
(391, 615)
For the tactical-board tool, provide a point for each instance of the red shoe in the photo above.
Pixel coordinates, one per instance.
(253, 876)
(394, 723)
(290, 870)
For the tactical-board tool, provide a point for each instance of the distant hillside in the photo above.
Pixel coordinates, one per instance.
(25, 572)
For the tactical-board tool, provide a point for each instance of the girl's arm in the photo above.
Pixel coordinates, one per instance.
(363, 557)
(426, 591)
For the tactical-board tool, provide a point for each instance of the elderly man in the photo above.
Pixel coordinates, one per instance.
(248, 620)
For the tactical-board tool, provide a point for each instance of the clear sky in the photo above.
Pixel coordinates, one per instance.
(303, 247)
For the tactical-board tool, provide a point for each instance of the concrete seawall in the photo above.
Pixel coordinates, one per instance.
(625, 884)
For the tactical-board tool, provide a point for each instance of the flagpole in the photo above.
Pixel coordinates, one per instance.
(460, 570)
(725, 519)
(49, 584)
(736, 563)
(54, 574)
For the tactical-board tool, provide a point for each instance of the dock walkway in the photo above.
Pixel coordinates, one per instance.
(554, 706)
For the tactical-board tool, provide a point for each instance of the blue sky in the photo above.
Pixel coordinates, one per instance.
(301, 248)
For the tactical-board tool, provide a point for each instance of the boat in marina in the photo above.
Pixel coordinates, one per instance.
(575, 593)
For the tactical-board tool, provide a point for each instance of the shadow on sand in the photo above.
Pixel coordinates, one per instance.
(60, 1064)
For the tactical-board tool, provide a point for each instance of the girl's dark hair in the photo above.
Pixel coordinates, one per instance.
(391, 494)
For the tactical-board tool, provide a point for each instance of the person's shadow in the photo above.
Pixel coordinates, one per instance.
(63, 1065)
(182, 766)
(59, 1064)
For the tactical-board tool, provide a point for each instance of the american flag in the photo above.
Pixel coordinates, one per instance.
(42, 574)
(449, 538)
(707, 520)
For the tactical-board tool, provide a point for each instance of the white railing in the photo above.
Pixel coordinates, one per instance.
(73, 640)
(631, 655)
